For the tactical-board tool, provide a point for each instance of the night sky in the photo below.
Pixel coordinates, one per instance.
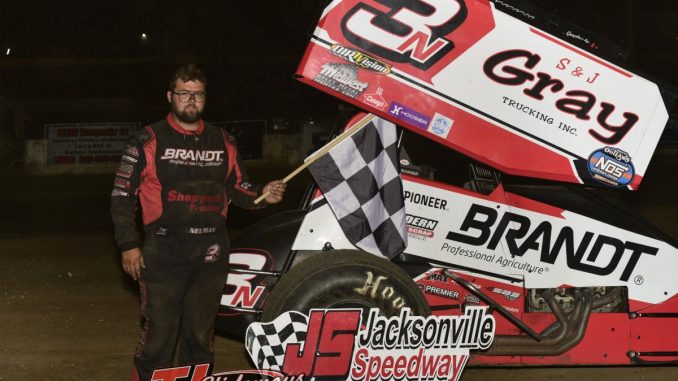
(71, 60)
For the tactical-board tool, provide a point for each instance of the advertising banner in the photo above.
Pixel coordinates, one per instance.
(491, 86)
(87, 143)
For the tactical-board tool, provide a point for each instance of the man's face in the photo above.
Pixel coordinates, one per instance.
(189, 110)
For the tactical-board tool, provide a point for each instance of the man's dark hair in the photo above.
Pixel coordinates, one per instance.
(187, 73)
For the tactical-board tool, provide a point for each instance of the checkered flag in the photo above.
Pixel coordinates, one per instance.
(266, 342)
(360, 180)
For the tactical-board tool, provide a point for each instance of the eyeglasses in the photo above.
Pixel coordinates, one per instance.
(185, 96)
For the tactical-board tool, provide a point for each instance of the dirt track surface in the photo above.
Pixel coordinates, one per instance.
(67, 311)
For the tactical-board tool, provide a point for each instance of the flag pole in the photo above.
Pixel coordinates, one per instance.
(322, 151)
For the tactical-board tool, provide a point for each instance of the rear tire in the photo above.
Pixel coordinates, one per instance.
(345, 279)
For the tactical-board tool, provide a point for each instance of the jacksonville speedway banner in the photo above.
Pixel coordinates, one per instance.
(491, 86)
(354, 345)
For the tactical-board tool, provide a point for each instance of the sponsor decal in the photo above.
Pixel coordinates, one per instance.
(575, 102)
(438, 276)
(118, 192)
(483, 227)
(131, 150)
(492, 258)
(374, 287)
(342, 78)
(509, 295)
(198, 202)
(212, 253)
(176, 196)
(375, 99)
(346, 345)
(360, 59)
(122, 183)
(421, 222)
(422, 199)
(438, 291)
(527, 110)
(471, 299)
(408, 115)
(611, 166)
(193, 157)
(129, 158)
(440, 125)
(125, 170)
(420, 234)
(420, 226)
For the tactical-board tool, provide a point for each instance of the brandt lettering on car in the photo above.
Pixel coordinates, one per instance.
(512, 227)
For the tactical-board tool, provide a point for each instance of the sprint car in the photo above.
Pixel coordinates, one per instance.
(519, 139)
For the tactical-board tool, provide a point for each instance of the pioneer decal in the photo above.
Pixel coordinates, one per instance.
(426, 200)
(483, 227)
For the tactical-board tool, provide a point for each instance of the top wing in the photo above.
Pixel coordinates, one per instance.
(489, 85)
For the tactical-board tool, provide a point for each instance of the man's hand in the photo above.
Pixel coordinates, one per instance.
(277, 191)
(133, 262)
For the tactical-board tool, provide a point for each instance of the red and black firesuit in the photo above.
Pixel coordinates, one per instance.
(185, 181)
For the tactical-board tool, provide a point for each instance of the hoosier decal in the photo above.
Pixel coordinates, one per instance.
(406, 114)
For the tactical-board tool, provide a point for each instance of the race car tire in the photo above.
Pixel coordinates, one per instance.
(345, 279)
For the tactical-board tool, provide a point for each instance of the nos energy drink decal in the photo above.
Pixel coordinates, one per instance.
(611, 166)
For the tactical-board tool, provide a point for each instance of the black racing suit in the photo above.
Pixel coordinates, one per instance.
(184, 181)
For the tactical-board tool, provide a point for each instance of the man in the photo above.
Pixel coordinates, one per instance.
(185, 173)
